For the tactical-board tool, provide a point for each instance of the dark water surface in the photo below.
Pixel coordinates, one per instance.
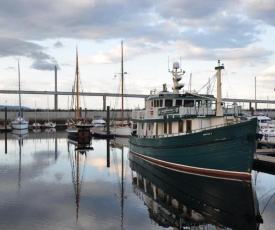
(46, 184)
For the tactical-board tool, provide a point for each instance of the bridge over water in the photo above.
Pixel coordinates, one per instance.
(105, 95)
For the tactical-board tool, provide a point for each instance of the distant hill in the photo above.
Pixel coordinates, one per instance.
(11, 107)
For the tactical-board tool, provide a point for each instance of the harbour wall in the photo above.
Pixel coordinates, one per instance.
(61, 116)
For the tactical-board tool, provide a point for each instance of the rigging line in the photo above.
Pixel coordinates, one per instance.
(231, 89)
(266, 193)
(268, 65)
(206, 83)
(267, 203)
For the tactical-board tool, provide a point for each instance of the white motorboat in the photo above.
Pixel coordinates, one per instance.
(98, 122)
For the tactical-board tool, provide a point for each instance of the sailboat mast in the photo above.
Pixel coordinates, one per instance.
(20, 112)
(77, 115)
(122, 85)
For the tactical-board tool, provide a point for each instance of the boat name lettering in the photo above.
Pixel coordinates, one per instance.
(207, 134)
(168, 110)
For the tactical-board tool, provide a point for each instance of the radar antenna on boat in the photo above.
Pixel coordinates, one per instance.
(177, 72)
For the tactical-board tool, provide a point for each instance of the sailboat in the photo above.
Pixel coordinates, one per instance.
(122, 130)
(49, 124)
(78, 125)
(19, 122)
(36, 125)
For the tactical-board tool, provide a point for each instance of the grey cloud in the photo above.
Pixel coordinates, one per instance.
(261, 10)
(16, 47)
(153, 25)
(58, 44)
(230, 32)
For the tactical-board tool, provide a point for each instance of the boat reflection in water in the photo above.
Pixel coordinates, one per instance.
(77, 149)
(20, 134)
(183, 200)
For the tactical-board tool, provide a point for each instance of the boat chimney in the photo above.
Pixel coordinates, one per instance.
(164, 87)
(219, 89)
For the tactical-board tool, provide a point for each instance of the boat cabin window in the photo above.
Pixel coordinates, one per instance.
(165, 128)
(198, 103)
(160, 103)
(208, 104)
(152, 103)
(168, 102)
(188, 103)
(149, 126)
(178, 102)
(157, 103)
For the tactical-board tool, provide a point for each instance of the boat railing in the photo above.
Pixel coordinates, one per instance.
(187, 132)
(183, 112)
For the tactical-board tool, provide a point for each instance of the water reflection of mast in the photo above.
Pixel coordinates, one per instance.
(20, 142)
(20, 135)
(121, 183)
(74, 160)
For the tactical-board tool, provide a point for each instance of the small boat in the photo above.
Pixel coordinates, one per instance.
(19, 122)
(264, 121)
(49, 124)
(98, 122)
(102, 132)
(78, 124)
(36, 125)
(189, 132)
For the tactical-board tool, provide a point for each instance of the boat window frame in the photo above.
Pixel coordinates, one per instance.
(188, 103)
(161, 103)
(198, 103)
(168, 103)
(177, 102)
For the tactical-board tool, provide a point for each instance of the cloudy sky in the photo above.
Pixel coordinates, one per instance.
(43, 34)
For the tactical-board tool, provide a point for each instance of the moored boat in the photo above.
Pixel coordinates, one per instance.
(98, 122)
(19, 122)
(76, 126)
(190, 132)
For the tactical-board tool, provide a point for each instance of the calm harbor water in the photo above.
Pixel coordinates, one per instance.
(47, 184)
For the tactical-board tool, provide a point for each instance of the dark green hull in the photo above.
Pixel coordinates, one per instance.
(226, 152)
(223, 203)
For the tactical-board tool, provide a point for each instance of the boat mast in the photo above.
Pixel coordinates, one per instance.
(122, 86)
(219, 89)
(20, 112)
(77, 115)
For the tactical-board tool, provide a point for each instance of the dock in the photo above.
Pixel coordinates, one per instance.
(264, 160)
(5, 129)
